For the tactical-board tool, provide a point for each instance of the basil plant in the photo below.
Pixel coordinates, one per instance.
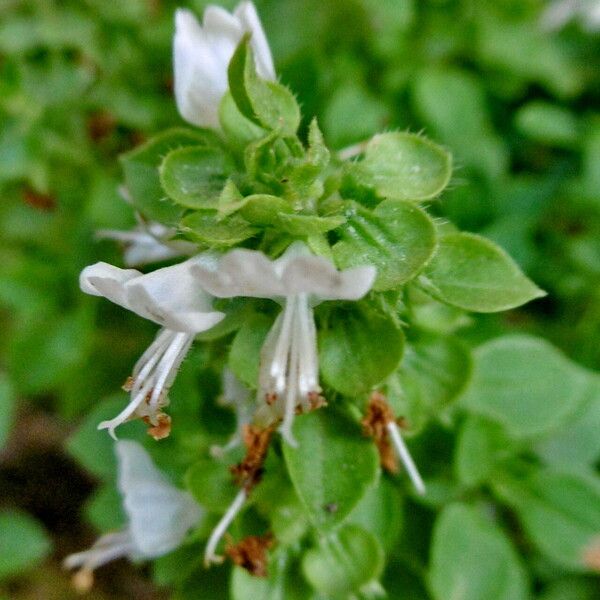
(309, 310)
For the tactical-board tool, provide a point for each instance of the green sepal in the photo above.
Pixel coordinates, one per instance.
(205, 227)
(403, 166)
(239, 130)
(141, 170)
(266, 103)
(194, 177)
(308, 225)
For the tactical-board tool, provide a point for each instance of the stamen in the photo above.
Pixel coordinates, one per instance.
(280, 356)
(292, 386)
(405, 457)
(219, 531)
(153, 375)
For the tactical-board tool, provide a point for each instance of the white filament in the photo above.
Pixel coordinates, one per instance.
(218, 532)
(405, 457)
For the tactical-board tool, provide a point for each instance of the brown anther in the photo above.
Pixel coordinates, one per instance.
(591, 555)
(128, 384)
(44, 202)
(375, 422)
(160, 428)
(316, 401)
(248, 473)
(251, 553)
(270, 398)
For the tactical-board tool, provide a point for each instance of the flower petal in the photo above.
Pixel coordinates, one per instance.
(102, 279)
(200, 79)
(246, 13)
(160, 514)
(317, 275)
(241, 272)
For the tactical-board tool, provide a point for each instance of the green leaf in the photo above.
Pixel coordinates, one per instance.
(549, 124)
(332, 468)
(434, 371)
(23, 543)
(473, 273)
(141, 168)
(472, 559)
(560, 513)
(359, 348)
(404, 166)
(481, 445)
(194, 177)
(266, 103)
(8, 405)
(571, 588)
(211, 484)
(576, 442)
(380, 513)
(343, 562)
(205, 227)
(284, 582)
(397, 237)
(94, 449)
(524, 384)
(453, 103)
(244, 354)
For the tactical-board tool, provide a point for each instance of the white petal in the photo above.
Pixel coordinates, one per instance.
(172, 297)
(160, 514)
(317, 275)
(107, 280)
(241, 273)
(246, 13)
(200, 80)
(169, 296)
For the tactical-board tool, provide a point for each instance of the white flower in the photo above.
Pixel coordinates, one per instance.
(201, 55)
(172, 298)
(159, 515)
(148, 243)
(560, 12)
(289, 369)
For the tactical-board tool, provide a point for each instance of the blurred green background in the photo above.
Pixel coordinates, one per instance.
(82, 81)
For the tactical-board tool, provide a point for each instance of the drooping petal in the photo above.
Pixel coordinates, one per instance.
(169, 296)
(160, 515)
(246, 13)
(102, 279)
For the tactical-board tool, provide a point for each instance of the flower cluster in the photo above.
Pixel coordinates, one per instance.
(323, 254)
